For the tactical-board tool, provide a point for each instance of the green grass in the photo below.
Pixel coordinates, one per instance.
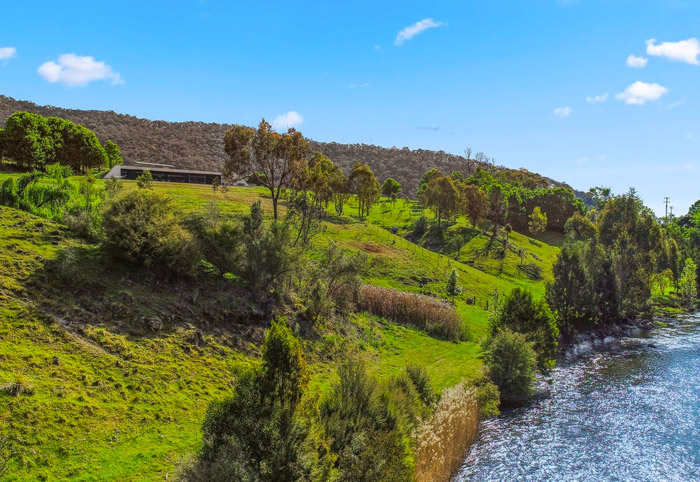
(126, 403)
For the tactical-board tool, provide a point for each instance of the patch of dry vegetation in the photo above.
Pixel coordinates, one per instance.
(433, 315)
(443, 438)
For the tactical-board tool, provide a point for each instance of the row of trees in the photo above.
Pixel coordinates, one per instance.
(472, 197)
(283, 162)
(34, 142)
(607, 266)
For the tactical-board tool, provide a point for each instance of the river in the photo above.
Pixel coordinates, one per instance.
(626, 410)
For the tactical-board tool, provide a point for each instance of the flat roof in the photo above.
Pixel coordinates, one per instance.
(167, 169)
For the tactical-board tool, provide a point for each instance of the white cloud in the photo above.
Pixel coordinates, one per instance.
(359, 86)
(683, 51)
(690, 136)
(641, 92)
(593, 99)
(285, 121)
(412, 30)
(77, 70)
(637, 62)
(6, 53)
(562, 112)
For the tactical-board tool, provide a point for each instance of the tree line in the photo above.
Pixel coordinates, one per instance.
(33, 142)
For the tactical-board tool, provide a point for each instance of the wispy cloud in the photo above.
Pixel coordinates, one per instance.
(637, 62)
(412, 30)
(684, 51)
(6, 53)
(597, 99)
(587, 159)
(286, 121)
(640, 93)
(359, 86)
(676, 104)
(562, 112)
(76, 70)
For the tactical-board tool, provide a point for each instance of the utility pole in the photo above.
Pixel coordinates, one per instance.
(666, 201)
(671, 211)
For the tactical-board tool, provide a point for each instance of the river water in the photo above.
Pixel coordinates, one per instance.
(626, 410)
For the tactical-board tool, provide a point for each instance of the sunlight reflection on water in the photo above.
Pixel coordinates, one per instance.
(626, 411)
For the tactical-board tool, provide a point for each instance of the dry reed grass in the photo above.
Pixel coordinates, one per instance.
(433, 315)
(442, 440)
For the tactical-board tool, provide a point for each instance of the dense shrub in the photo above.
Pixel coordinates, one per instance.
(521, 313)
(433, 315)
(220, 242)
(365, 429)
(443, 438)
(141, 227)
(272, 265)
(258, 434)
(511, 361)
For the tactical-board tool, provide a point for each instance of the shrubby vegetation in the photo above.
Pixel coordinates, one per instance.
(512, 361)
(271, 427)
(142, 228)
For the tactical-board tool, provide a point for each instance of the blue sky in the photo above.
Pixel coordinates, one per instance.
(548, 85)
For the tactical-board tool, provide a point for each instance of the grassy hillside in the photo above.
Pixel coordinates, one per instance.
(116, 367)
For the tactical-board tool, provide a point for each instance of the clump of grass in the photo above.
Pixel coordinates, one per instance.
(435, 316)
(19, 386)
(443, 438)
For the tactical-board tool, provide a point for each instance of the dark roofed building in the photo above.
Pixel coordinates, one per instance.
(161, 172)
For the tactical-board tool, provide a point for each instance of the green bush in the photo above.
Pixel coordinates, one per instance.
(364, 430)
(220, 242)
(272, 265)
(141, 227)
(521, 313)
(258, 433)
(511, 361)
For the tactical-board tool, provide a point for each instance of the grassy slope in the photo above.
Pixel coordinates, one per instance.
(125, 404)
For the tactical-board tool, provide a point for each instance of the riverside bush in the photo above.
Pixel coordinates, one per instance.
(511, 361)
(141, 227)
(433, 315)
(443, 438)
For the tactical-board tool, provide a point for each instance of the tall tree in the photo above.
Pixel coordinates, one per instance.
(277, 159)
(366, 188)
(424, 181)
(341, 190)
(442, 197)
(475, 203)
(498, 206)
(391, 189)
(28, 140)
(688, 285)
(114, 155)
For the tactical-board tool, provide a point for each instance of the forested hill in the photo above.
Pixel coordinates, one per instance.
(199, 145)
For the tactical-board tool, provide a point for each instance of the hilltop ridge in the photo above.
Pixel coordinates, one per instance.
(199, 145)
